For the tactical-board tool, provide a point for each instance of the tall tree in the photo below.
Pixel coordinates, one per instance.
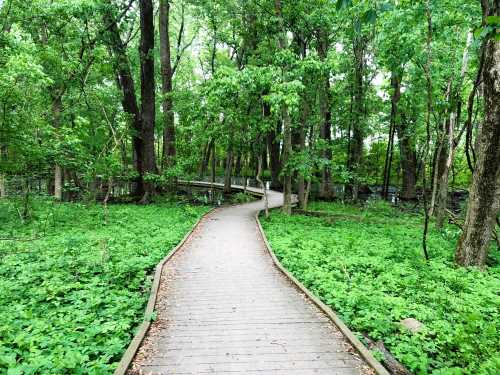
(484, 193)
(355, 154)
(447, 154)
(287, 122)
(323, 45)
(129, 100)
(408, 157)
(143, 119)
(148, 113)
(167, 72)
(395, 97)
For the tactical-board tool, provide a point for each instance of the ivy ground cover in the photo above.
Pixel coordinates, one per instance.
(367, 264)
(70, 300)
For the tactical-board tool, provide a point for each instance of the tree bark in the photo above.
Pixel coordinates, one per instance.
(429, 84)
(287, 149)
(169, 147)
(484, 194)
(3, 189)
(56, 118)
(396, 96)
(273, 145)
(228, 168)
(206, 158)
(355, 156)
(443, 169)
(147, 93)
(129, 100)
(441, 154)
(214, 167)
(301, 183)
(448, 150)
(237, 165)
(262, 185)
(326, 116)
(264, 159)
(3, 183)
(408, 156)
(287, 126)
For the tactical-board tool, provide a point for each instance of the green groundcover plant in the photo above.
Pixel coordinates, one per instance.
(74, 283)
(367, 264)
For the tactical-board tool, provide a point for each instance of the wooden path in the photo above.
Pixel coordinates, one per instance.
(224, 308)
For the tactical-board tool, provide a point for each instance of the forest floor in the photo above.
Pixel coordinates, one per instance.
(367, 264)
(75, 281)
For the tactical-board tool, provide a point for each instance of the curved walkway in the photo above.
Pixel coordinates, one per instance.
(224, 308)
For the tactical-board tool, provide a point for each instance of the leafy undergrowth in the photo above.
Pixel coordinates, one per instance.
(373, 274)
(71, 300)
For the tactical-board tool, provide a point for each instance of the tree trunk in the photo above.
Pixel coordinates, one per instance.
(396, 96)
(302, 147)
(448, 149)
(129, 100)
(287, 126)
(262, 185)
(287, 150)
(443, 165)
(264, 159)
(169, 147)
(326, 116)
(147, 93)
(408, 156)
(356, 145)
(484, 194)
(214, 166)
(228, 168)
(304, 116)
(206, 158)
(441, 153)
(273, 145)
(3, 189)
(429, 84)
(237, 165)
(3, 182)
(56, 118)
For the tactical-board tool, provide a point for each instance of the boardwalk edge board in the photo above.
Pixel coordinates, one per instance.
(358, 345)
(136, 342)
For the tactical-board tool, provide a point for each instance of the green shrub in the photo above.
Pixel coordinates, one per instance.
(242, 198)
(71, 300)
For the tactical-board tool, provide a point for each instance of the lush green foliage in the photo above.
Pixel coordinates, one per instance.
(242, 198)
(367, 264)
(59, 48)
(71, 298)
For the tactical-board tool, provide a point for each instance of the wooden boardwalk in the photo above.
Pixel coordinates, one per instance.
(224, 308)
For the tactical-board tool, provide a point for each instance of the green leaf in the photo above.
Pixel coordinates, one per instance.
(477, 32)
(370, 16)
(342, 4)
(493, 20)
(386, 7)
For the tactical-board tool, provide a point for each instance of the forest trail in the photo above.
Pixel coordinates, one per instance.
(223, 307)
